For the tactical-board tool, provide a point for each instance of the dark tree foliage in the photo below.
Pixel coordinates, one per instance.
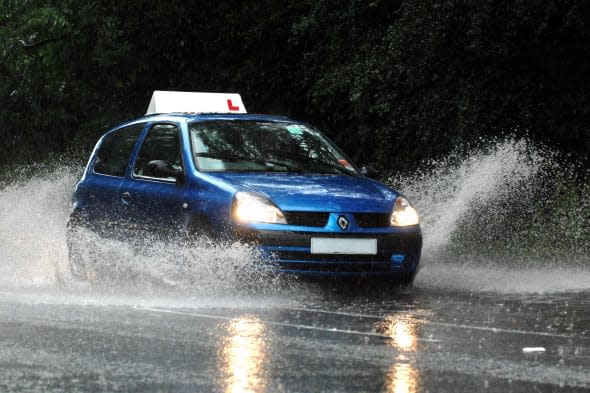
(393, 82)
(415, 79)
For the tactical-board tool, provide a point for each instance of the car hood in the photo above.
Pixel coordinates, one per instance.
(305, 192)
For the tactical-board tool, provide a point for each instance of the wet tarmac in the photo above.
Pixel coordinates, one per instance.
(502, 304)
(328, 340)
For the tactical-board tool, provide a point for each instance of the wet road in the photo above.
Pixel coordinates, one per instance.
(499, 306)
(329, 339)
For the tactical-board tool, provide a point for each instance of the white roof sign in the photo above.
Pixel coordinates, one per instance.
(185, 101)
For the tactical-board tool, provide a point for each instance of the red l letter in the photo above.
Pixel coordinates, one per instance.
(231, 106)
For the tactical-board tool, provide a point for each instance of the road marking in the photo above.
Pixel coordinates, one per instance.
(533, 349)
(273, 323)
(447, 324)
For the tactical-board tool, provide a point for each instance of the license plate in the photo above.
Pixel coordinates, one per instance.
(324, 245)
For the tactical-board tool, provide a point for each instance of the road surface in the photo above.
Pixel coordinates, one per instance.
(308, 338)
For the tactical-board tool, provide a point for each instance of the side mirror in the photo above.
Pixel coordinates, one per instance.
(369, 171)
(161, 168)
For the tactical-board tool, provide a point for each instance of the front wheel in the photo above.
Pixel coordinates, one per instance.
(407, 279)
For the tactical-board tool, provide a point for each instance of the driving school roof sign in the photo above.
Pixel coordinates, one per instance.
(184, 101)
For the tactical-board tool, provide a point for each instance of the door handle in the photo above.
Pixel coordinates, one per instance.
(126, 196)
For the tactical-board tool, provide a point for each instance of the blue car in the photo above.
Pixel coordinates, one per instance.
(270, 181)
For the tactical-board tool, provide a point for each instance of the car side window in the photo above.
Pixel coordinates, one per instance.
(113, 153)
(159, 155)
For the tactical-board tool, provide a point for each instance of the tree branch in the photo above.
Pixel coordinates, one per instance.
(34, 45)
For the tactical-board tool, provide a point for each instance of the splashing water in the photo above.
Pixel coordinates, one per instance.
(448, 194)
(32, 236)
(201, 267)
(34, 255)
(495, 220)
(486, 216)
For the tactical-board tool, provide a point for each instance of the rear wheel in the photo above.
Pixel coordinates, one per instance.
(80, 255)
(78, 262)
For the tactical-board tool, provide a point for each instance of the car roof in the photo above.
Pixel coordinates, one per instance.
(190, 117)
(212, 116)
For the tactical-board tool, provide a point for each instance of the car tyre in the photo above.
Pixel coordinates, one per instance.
(407, 280)
(80, 257)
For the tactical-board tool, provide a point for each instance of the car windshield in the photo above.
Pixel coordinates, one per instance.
(226, 145)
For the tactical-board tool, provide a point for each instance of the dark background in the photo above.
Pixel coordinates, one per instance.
(392, 82)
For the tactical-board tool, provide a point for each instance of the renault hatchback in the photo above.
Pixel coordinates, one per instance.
(273, 182)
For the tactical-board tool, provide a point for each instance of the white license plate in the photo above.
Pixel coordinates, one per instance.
(326, 245)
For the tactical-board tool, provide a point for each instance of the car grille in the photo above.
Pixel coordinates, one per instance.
(315, 219)
(307, 219)
(372, 220)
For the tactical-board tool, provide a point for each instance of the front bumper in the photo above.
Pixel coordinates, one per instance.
(398, 254)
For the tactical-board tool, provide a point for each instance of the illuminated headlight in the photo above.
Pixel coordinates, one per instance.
(254, 208)
(403, 213)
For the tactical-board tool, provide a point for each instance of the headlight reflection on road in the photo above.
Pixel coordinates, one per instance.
(403, 334)
(402, 377)
(242, 355)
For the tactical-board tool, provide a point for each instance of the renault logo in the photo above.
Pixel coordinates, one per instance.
(343, 223)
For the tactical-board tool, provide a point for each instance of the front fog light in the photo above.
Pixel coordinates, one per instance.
(403, 213)
(254, 208)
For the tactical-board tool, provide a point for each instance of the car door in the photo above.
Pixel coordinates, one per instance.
(97, 194)
(155, 200)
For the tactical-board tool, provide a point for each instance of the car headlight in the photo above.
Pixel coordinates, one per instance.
(249, 207)
(403, 213)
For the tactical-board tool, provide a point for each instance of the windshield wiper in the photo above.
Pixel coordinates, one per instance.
(238, 157)
(317, 161)
(339, 168)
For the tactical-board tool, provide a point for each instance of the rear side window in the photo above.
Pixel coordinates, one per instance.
(114, 151)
